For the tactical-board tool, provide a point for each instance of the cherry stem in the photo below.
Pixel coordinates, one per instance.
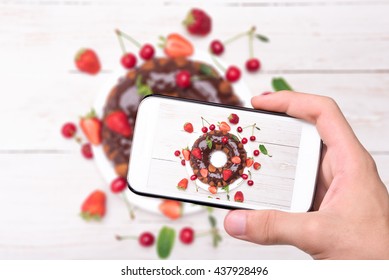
(124, 237)
(202, 120)
(240, 35)
(251, 45)
(252, 131)
(221, 67)
(129, 206)
(121, 41)
(249, 174)
(128, 37)
(205, 233)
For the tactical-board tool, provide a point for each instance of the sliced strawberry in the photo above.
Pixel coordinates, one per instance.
(257, 165)
(91, 127)
(238, 197)
(249, 162)
(117, 121)
(196, 152)
(93, 208)
(171, 209)
(183, 184)
(212, 189)
(227, 173)
(233, 118)
(204, 172)
(236, 160)
(186, 153)
(224, 127)
(188, 127)
(177, 46)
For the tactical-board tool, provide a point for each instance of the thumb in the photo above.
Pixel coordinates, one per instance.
(271, 227)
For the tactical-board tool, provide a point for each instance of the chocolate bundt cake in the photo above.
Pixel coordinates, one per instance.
(158, 76)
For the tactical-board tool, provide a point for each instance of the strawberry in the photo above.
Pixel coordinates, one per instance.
(93, 207)
(224, 127)
(238, 197)
(227, 174)
(183, 184)
(117, 121)
(188, 127)
(204, 172)
(186, 153)
(236, 160)
(91, 126)
(212, 189)
(198, 22)
(249, 162)
(196, 152)
(87, 61)
(171, 209)
(233, 118)
(177, 46)
(257, 165)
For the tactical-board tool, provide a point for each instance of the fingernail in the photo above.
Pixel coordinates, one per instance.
(266, 92)
(236, 223)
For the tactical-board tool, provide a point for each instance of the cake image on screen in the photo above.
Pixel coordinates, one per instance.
(157, 76)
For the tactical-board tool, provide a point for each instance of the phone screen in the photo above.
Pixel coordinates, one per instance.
(217, 154)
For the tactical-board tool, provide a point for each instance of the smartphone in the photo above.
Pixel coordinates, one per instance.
(223, 156)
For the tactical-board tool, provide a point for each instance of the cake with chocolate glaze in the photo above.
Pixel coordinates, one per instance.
(203, 149)
(158, 76)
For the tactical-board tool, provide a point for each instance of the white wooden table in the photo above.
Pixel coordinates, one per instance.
(329, 47)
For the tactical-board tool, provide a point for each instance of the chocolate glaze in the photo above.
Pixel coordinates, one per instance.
(232, 148)
(159, 74)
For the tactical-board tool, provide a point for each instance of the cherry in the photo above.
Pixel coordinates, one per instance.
(68, 130)
(128, 60)
(253, 65)
(146, 239)
(177, 153)
(217, 47)
(86, 150)
(244, 140)
(224, 139)
(193, 177)
(212, 127)
(204, 129)
(147, 52)
(183, 79)
(118, 185)
(256, 153)
(250, 182)
(233, 74)
(244, 176)
(187, 235)
(252, 138)
(183, 163)
(239, 129)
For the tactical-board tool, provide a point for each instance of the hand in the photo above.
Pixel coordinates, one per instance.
(351, 206)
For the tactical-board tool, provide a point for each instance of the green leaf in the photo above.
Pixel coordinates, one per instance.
(206, 70)
(165, 242)
(227, 190)
(209, 142)
(257, 128)
(143, 89)
(263, 150)
(235, 138)
(212, 221)
(262, 38)
(280, 84)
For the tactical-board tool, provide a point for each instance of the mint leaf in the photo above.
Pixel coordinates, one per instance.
(263, 150)
(227, 190)
(280, 84)
(206, 70)
(165, 242)
(235, 138)
(143, 89)
(262, 38)
(209, 142)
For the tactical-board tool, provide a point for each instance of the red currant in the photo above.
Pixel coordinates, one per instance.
(187, 235)
(86, 150)
(177, 153)
(252, 138)
(68, 130)
(217, 47)
(256, 153)
(244, 176)
(253, 65)
(244, 140)
(224, 139)
(183, 79)
(233, 74)
(147, 52)
(193, 177)
(204, 129)
(250, 182)
(183, 163)
(212, 127)
(239, 129)
(146, 239)
(118, 185)
(128, 60)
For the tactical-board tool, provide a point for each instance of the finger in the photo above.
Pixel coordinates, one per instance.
(319, 110)
(272, 227)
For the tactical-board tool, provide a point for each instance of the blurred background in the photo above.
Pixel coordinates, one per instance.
(328, 47)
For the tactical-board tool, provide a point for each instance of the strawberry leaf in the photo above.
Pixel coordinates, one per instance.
(262, 38)
(165, 242)
(280, 84)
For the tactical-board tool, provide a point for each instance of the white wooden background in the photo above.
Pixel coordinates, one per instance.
(329, 47)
